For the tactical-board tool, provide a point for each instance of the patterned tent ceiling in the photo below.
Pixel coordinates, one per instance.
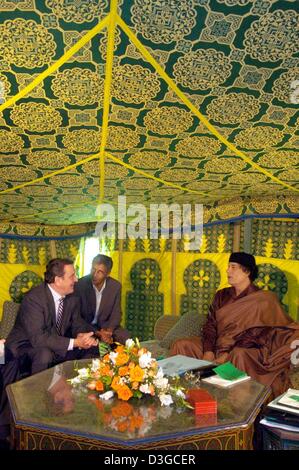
(158, 100)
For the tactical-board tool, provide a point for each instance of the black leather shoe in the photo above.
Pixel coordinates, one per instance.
(4, 444)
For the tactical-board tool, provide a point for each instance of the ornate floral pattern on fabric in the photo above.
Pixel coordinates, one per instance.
(78, 12)
(22, 284)
(201, 94)
(164, 21)
(26, 43)
(78, 86)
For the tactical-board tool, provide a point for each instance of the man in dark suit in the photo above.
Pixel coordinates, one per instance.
(9, 373)
(49, 328)
(100, 297)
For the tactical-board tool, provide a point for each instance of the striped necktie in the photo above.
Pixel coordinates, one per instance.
(59, 315)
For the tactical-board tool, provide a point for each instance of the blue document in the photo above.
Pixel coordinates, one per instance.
(178, 365)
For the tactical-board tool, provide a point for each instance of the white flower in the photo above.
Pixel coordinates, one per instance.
(76, 380)
(83, 373)
(113, 356)
(145, 360)
(106, 395)
(160, 373)
(95, 365)
(165, 400)
(145, 388)
(161, 383)
(130, 343)
(180, 393)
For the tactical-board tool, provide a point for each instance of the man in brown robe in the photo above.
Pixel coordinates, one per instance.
(246, 326)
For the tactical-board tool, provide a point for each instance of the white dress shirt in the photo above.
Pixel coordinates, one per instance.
(2, 352)
(99, 294)
(56, 298)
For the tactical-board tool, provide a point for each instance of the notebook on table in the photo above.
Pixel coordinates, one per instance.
(287, 402)
(179, 365)
(227, 375)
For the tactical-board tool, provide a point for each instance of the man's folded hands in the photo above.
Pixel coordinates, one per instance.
(85, 340)
(105, 335)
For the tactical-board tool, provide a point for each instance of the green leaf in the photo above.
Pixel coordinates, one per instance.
(104, 348)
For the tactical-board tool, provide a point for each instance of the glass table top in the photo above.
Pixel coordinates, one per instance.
(48, 401)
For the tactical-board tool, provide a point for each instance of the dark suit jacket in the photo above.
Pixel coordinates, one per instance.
(36, 322)
(110, 308)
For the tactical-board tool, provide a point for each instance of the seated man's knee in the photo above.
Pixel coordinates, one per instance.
(41, 359)
(190, 346)
(177, 343)
(239, 351)
(238, 355)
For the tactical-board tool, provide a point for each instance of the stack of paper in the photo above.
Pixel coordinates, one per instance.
(288, 402)
(283, 412)
(227, 375)
(290, 399)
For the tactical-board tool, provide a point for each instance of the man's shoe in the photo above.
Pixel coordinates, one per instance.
(4, 431)
(4, 444)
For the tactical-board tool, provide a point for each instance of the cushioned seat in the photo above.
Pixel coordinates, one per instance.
(10, 311)
(168, 328)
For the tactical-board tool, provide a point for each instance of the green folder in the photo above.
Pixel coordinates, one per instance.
(294, 397)
(228, 371)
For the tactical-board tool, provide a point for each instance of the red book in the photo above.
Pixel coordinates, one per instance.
(202, 401)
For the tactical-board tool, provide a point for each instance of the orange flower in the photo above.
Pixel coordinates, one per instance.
(136, 374)
(121, 409)
(105, 370)
(119, 349)
(121, 359)
(124, 393)
(99, 386)
(135, 385)
(115, 383)
(123, 371)
(106, 358)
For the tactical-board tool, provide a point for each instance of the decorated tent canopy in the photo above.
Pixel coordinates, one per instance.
(173, 101)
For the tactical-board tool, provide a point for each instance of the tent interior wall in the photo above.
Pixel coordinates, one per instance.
(160, 277)
(186, 102)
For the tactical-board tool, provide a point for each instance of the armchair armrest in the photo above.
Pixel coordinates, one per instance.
(10, 311)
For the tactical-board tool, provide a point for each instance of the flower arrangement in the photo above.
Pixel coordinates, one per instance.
(130, 372)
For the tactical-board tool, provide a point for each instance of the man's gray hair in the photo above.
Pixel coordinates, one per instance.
(103, 259)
